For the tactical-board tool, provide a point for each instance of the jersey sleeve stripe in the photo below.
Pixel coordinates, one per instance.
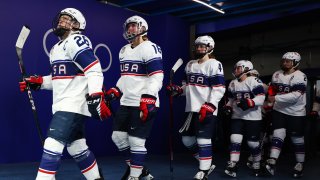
(154, 65)
(90, 65)
(156, 72)
(79, 52)
(216, 80)
(258, 90)
(299, 87)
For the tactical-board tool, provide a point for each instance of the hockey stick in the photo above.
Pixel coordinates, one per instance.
(25, 31)
(173, 70)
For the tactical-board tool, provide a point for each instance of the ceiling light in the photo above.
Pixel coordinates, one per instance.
(209, 6)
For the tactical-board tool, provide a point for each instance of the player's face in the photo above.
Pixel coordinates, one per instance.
(286, 64)
(65, 22)
(237, 71)
(132, 28)
(201, 48)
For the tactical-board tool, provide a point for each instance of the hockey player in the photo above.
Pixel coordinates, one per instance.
(287, 91)
(141, 80)
(246, 96)
(265, 136)
(204, 89)
(75, 73)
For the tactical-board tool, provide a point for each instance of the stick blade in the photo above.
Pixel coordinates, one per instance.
(177, 65)
(25, 31)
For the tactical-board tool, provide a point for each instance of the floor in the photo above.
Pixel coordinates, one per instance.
(184, 168)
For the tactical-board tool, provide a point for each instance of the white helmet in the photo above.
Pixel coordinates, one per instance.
(246, 67)
(142, 26)
(206, 40)
(294, 56)
(76, 15)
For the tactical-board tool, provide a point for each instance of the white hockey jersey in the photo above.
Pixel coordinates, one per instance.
(205, 83)
(291, 96)
(252, 88)
(141, 72)
(75, 72)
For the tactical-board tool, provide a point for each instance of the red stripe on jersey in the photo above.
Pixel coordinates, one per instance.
(191, 84)
(63, 77)
(219, 85)
(46, 171)
(137, 167)
(66, 77)
(205, 158)
(155, 72)
(132, 74)
(90, 167)
(90, 65)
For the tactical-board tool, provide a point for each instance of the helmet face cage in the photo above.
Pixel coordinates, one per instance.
(294, 57)
(76, 17)
(246, 67)
(205, 40)
(142, 27)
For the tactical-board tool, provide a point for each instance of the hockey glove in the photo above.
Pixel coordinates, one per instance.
(245, 104)
(34, 83)
(147, 106)
(97, 106)
(113, 94)
(272, 90)
(206, 111)
(174, 90)
(227, 110)
(313, 115)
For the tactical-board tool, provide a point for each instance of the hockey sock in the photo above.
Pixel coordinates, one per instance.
(205, 153)
(255, 150)
(138, 154)
(51, 157)
(277, 142)
(84, 158)
(122, 142)
(235, 147)
(298, 143)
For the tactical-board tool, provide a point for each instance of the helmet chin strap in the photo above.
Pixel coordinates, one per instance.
(133, 37)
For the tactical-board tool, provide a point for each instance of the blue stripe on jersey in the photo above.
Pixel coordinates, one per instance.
(85, 57)
(133, 68)
(299, 87)
(198, 79)
(65, 68)
(154, 65)
(258, 90)
(317, 99)
(216, 80)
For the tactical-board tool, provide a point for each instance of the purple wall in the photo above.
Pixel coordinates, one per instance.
(19, 140)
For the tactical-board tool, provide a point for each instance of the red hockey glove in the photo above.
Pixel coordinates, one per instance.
(313, 115)
(147, 106)
(206, 110)
(97, 106)
(174, 90)
(245, 104)
(227, 110)
(34, 82)
(113, 94)
(272, 90)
